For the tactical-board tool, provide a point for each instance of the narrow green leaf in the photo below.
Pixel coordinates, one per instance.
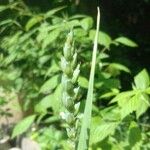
(142, 80)
(85, 128)
(33, 21)
(22, 126)
(3, 7)
(53, 11)
(126, 41)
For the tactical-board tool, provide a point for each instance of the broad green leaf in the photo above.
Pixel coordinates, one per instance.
(44, 59)
(56, 103)
(53, 100)
(111, 113)
(50, 84)
(79, 32)
(53, 69)
(53, 11)
(126, 41)
(83, 82)
(142, 80)
(100, 130)
(45, 103)
(86, 121)
(128, 105)
(135, 134)
(143, 104)
(51, 37)
(119, 67)
(22, 126)
(147, 91)
(103, 38)
(33, 21)
(73, 23)
(87, 23)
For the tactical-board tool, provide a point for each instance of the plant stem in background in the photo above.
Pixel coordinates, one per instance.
(70, 89)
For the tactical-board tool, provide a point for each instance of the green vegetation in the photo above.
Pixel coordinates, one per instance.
(71, 97)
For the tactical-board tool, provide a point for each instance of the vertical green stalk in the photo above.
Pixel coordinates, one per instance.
(85, 128)
(70, 88)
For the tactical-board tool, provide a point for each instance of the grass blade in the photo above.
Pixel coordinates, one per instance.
(85, 128)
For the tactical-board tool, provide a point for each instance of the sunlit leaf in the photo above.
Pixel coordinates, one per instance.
(142, 80)
(22, 126)
(86, 121)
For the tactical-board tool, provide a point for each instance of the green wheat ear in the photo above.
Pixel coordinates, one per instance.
(70, 88)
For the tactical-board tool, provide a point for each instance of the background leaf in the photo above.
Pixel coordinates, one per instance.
(126, 41)
(23, 125)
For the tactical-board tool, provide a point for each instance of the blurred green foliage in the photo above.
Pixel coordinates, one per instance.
(31, 46)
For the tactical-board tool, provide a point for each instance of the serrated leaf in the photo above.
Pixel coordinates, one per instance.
(87, 23)
(83, 82)
(22, 126)
(50, 84)
(33, 21)
(128, 105)
(100, 130)
(142, 80)
(126, 41)
(123, 95)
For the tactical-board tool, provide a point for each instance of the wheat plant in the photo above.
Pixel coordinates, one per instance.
(70, 88)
